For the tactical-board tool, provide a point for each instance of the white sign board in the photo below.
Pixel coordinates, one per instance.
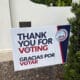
(39, 46)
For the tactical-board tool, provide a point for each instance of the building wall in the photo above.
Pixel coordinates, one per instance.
(39, 15)
(19, 10)
(5, 24)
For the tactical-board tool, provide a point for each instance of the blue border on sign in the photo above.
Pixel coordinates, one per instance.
(64, 44)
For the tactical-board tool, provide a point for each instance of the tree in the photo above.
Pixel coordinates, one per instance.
(54, 2)
(72, 67)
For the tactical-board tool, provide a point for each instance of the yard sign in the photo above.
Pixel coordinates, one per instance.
(39, 46)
